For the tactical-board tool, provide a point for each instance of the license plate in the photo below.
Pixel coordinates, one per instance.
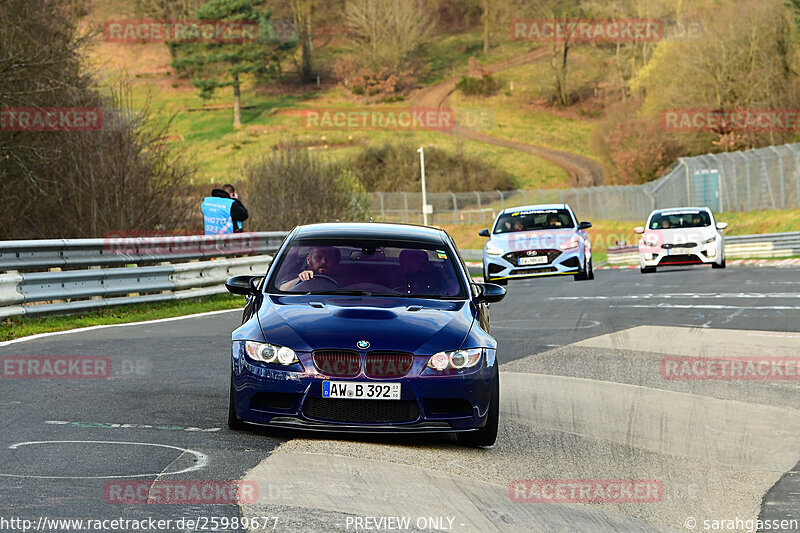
(680, 251)
(359, 390)
(537, 260)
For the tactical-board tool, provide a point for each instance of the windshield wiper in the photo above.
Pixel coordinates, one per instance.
(346, 292)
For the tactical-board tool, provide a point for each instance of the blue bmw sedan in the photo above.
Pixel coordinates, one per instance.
(366, 327)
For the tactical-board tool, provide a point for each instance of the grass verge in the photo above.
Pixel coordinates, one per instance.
(22, 326)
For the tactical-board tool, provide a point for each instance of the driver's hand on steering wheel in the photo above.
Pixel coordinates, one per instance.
(305, 275)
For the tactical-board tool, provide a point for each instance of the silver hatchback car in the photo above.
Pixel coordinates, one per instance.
(537, 240)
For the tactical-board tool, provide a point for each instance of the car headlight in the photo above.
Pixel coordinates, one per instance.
(455, 360)
(572, 243)
(650, 240)
(493, 249)
(269, 353)
(712, 239)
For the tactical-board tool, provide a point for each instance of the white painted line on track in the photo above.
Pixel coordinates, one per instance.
(109, 425)
(200, 462)
(103, 326)
(685, 295)
(713, 306)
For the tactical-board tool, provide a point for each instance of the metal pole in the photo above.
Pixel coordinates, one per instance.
(424, 197)
(688, 190)
(502, 200)
(796, 173)
(405, 206)
(783, 191)
(383, 212)
(455, 209)
(747, 173)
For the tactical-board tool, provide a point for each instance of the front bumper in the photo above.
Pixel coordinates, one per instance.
(507, 266)
(266, 395)
(698, 255)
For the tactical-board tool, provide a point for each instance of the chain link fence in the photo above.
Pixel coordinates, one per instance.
(764, 178)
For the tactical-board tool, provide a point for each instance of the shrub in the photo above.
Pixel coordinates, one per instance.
(290, 187)
(395, 167)
(486, 85)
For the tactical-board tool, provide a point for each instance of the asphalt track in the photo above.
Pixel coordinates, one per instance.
(582, 398)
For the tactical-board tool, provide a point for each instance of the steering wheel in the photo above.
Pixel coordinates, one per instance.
(318, 282)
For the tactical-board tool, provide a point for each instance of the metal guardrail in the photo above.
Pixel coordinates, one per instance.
(736, 247)
(137, 270)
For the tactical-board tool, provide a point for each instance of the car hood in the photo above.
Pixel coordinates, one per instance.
(529, 240)
(311, 322)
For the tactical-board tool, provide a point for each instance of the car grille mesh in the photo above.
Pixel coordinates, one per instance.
(668, 245)
(363, 411)
(337, 363)
(387, 364)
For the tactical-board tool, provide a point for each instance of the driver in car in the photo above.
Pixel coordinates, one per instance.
(320, 261)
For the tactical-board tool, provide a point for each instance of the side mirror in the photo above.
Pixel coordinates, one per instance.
(722, 225)
(490, 293)
(584, 225)
(638, 229)
(242, 285)
(484, 232)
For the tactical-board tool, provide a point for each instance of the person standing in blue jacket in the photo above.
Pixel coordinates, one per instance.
(223, 212)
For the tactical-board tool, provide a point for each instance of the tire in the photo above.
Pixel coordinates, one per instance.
(487, 435)
(647, 270)
(582, 275)
(234, 422)
(718, 265)
(591, 270)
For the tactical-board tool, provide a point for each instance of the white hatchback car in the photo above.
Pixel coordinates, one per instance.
(681, 236)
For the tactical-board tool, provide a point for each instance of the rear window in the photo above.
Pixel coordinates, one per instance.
(534, 219)
(361, 266)
(680, 219)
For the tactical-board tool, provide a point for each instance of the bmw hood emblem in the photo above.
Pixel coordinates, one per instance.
(363, 344)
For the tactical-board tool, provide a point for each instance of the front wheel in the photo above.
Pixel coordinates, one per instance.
(647, 270)
(583, 275)
(487, 435)
(718, 265)
(234, 422)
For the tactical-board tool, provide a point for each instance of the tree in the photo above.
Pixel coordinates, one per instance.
(386, 32)
(217, 65)
(59, 184)
(167, 9)
(302, 14)
(744, 60)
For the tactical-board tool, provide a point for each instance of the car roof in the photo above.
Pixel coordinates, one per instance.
(533, 207)
(674, 209)
(371, 230)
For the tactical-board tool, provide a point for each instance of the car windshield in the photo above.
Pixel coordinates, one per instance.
(534, 219)
(680, 219)
(368, 267)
